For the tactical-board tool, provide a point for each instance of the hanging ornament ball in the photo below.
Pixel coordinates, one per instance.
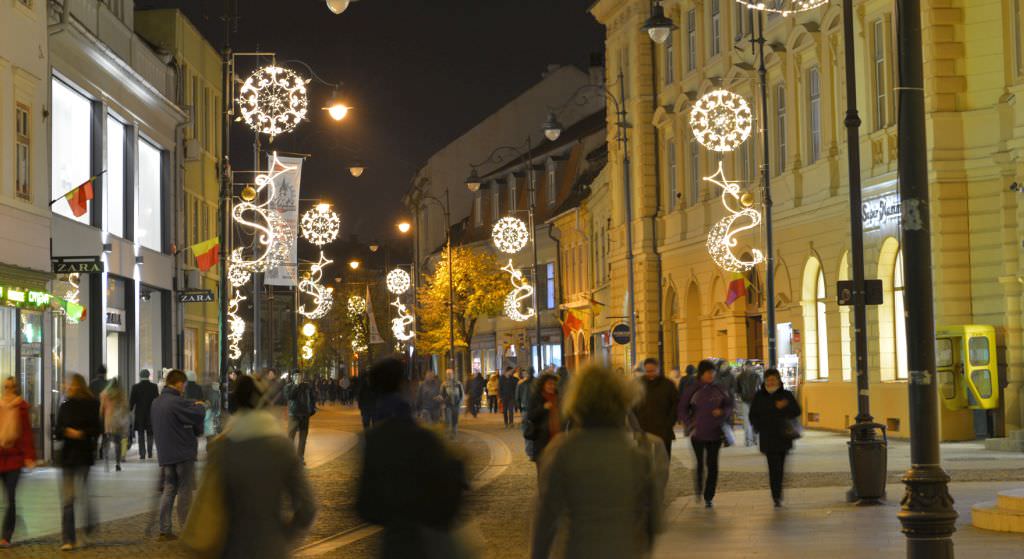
(320, 225)
(747, 199)
(398, 281)
(510, 234)
(248, 193)
(356, 305)
(721, 120)
(273, 100)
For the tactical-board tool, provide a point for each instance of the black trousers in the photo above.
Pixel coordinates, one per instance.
(707, 458)
(776, 470)
(299, 426)
(145, 440)
(492, 403)
(509, 411)
(10, 480)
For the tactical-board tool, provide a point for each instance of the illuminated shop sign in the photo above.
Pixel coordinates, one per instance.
(881, 211)
(38, 301)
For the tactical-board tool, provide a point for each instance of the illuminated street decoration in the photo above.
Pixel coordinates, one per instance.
(358, 346)
(236, 326)
(71, 295)
(398, 281)
(237, 275)
(270, 231)
(356, 306)
(521, 291)
(403, 321)
(783, 7)
(722, 237)
(273, 100)
(322, 299)
(309, 331)
(721, 120)
(320, 225)
(510, 235)
(307, 350)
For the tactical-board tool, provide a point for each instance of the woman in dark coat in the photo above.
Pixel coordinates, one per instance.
(772, 413)
(543, 414)
(78, 425)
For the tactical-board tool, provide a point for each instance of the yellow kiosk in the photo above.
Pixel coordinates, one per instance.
(968, 372)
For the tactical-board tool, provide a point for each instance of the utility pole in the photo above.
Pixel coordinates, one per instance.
(224, 211)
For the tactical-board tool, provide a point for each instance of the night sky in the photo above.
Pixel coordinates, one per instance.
(418, 73)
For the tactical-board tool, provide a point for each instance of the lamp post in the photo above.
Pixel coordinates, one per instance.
(553, 130)
(473, 184)
(446, 209)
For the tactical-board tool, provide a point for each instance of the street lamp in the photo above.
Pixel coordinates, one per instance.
(337, 110)
(658, 26)
(404, 227)
(338, 6)
(552, 128)
(374, 246)
(354, 264)
(309, 329)
(356, 169)
(473, 181)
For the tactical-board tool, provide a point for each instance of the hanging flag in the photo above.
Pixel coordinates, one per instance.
(374, 333)
(737, 288)
(78, 198)
(572, 323)
(207, 253)
(74, 311)
(286, 204)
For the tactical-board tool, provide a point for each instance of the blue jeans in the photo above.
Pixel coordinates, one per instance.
(74, 482)
(452, 418)
(179, 482)
(743, 410)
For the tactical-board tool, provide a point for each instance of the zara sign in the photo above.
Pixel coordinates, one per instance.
(881, 212)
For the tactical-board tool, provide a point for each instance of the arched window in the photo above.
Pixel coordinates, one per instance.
(899, 320)
(821, 326)
(815, 314)
(845, 330)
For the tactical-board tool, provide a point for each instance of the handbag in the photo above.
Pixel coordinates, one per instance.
(792, 429)
(206, 529)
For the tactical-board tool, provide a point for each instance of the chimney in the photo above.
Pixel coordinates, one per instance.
(596, 68)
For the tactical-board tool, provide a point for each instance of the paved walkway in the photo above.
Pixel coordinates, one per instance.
(815, 524)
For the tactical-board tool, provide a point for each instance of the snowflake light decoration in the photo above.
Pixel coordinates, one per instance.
(722, 237)
(721, 120)
(510, 235)
(400, 323)
(783, 7)
(270, 230)
(237, 275)
(236, 326)
(320, 225)
(398, 281)
(521, 291)
(356, 305)
(273, 100)
(322, 299)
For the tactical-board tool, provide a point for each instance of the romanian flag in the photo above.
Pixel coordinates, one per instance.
(572, 323)
(207, 253)
(79, 198)
(737, 288)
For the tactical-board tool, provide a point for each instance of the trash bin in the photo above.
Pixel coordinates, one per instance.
(868, 460)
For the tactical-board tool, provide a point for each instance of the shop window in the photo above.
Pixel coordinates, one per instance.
(71, 146)
(114, 180)
(691, 40)
(22, 142)
(149, 227)
(151, 330)
(672, 174)
(191, 349)
(212, 354)
(815, 311)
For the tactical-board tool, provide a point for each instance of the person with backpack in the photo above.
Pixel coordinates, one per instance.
(452, 394)
(301, 406)
(748, 383)
(704, 410)
(773, 413)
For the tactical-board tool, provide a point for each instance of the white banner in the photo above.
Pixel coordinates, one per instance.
(374, 333)
(286, 204)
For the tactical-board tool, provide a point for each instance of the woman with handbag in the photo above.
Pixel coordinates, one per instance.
(774, 413)
(543, 420)
(704, 408)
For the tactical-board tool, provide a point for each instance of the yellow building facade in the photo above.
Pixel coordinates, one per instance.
(974, 66)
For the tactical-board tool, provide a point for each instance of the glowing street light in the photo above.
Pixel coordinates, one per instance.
(356, 169)
(337, 6)
(404, 227)
(309, 329)
(354, 264)
(337, 110)
(658, 26)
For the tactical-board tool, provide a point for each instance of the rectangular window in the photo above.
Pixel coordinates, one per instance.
(691, 40)
(71, 145)
(716, 27)
(495, 203)
(1018, 42)
(114, 180)
(478, 217)
(207, 110)
(513, 193)
(206, 221)
(22, 143)
(694, 172)
(550, 276)
(740, 19)
(191, 353)
(194, 202)
(670, 66)
(211, 353)
(673, 172)
(814, 114)
(780, 128)
(195, 108)
(552, 186)
(624, 67)
(148, 228)
(878, 66)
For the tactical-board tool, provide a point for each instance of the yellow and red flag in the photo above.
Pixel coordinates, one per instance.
(737, 288)
(572, 323)
(78, 198)
(207, 253)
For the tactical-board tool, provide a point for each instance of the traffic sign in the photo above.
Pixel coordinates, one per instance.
(622, 334)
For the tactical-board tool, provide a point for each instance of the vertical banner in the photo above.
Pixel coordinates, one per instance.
(286, 204)
(374, 333)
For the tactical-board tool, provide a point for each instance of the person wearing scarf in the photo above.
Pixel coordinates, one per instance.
(772, 414)
(17, 450)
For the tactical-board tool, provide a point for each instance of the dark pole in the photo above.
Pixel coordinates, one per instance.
(536, 262)
(225, 202)
(451, 281)
(926, 512)
(626, 187)
(295, 324)
(766, 180)
(257, 284)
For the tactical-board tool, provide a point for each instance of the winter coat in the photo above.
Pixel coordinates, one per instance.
(177, 423)
(265, 472)
(365, 396)
(747, 385)
(656, 412)
(507, 389)
(141, 401)
(298, 403)
(492, 384)
(82, 414)
(539, 418)
(23, 448)
(770, 422)
(410, 484)
(523, 392)
(429, 396)
(452, 394)
(193, 391)
(725, 379)
(696, 411)
(475, 387)
(605, 486)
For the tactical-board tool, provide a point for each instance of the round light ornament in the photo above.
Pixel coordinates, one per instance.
(320, 225)
(510, 235)
(783, 7)
(248, 193)
(356, 305)
(721, 120)
(237, 274)
(398, 281)
(273, 100)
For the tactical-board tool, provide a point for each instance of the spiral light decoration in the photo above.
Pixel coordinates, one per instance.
(271, 232)
(237, 275)
(403, 321)
(356, 306)
(722, 237)
(236, 325)
(322, 299)
(521, 291)
(510, 235)
(721, 120)
(273, 100)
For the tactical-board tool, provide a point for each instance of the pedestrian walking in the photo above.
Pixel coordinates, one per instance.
(114, 409)
(543, 416)
(563, 380)
(301, 406)
(507, 396)
(345, 384)
(773, 412)
(78, 427)
(689, 378)
(257, 471)
(428, 399)
(193, 391)
(140, 402)
(452, 394)
(524, 389)
(597, 476)
(657, 411)
(492, 391)
(748, 383)
(475, 392)
(366, 400)
(726, 380)
(409, 483)
(177, 424)
(17, 451)
(703, 410)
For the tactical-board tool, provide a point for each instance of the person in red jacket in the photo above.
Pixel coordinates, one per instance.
(16, 449)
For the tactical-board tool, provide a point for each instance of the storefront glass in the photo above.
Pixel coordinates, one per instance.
(8, 341)
(30, 369)
(118, 340)
(74, 338)
(151, 329)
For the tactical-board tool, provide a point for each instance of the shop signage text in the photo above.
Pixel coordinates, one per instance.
(196, 296)
(78, 266)
(24, 298)
(881, 211)
(115, 320)
(622, 334)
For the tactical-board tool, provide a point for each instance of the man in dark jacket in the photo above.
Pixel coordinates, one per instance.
(301, 406)
(366, 400)
(507, 385)
(140, 402)
(475, 392)
(657, 411)
(177, 424)
(409, 484)
(193, 391)
(428, 398)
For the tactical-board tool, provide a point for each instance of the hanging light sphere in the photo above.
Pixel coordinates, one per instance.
(398, 281)
(273, 100)
(356, 305)
(248, 193)
(337, 6)
(510, 235)
(783, 7)
(721, 120)
(309, 329)
(747, 199)
(320, 225)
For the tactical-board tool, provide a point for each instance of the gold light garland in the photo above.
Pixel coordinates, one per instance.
(721, 120)
(273, 100)
(783, 7)
(722, 237)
